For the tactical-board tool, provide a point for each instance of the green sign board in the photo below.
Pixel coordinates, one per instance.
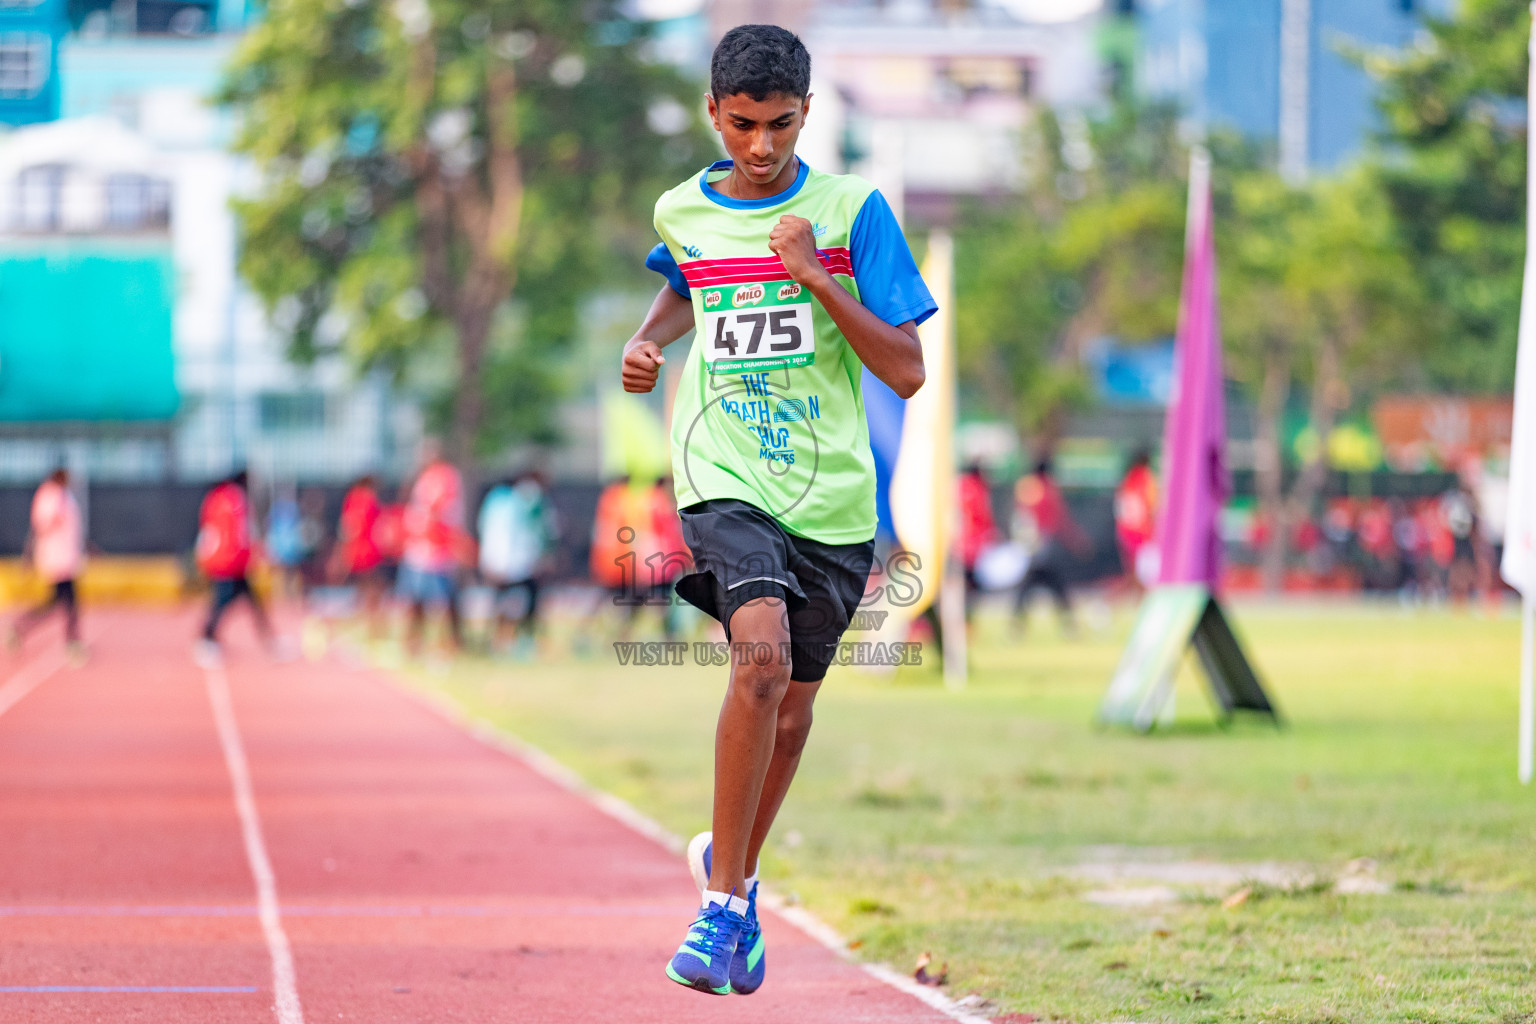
(1173, 617)
(86, 331)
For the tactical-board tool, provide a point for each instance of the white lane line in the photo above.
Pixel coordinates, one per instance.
(28, 678)
(285, 987)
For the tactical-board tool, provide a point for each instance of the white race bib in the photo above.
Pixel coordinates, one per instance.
(754, 327)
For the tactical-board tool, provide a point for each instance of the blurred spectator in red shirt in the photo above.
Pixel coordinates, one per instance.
(224, 554)
(978, 527)
(434, 548)
(1136, 520)
(359, 557)
(1047, 530)
(1378, 549)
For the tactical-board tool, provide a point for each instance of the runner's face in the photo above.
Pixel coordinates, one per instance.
(760, 135)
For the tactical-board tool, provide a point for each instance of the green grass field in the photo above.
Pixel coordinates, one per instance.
(1082, 875)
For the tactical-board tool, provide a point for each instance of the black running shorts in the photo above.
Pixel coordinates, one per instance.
(741, 553)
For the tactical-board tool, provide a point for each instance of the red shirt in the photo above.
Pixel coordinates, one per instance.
(389, 532)
(978, 527)
(1135, 507)
(1039, 497)
(359, 519)
(434, 520)
(1442, 543)
(1376, 531)
(224, 533)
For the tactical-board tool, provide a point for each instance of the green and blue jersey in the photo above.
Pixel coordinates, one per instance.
(770, 409)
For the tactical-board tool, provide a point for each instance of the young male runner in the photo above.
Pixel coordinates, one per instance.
(796, 280)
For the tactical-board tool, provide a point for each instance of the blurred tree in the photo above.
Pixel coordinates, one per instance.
(1455, 175)
(1318, 298)
(1094, 247)
(420, 159)
(1316, 288)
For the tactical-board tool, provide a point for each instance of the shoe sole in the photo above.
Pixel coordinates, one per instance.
(696, 868)
(698, 986)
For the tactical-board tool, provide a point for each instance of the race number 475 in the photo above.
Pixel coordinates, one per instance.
(765, 335)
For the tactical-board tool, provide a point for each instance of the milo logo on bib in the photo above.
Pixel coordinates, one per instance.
(751, 327)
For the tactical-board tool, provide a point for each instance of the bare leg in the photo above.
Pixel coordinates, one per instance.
(71, 603)
(455, 624)
(415, 618)
(259, 613)
(794, 727)
(1056, 583)
(744, 736)
(29, 620)
(370, 590)
(224, 593)
(529, 624)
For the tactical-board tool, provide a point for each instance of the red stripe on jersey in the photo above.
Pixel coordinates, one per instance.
(755, 269)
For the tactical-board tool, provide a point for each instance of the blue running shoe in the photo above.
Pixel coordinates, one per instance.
(703, 961)
(748, 963)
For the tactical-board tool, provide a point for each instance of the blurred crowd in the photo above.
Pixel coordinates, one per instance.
(1444, 547)
(412, 557)
(405, 560)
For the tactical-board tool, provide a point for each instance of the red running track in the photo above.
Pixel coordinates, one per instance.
(420, 875)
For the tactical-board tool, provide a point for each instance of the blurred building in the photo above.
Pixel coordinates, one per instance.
(87, 293)
(144, 356)
(1276, 70)
(928, 98)
(794, 15)
(30, 31)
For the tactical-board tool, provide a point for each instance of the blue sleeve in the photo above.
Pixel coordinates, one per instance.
(889, 285)
(661, 261)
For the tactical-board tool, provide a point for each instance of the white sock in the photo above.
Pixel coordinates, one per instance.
(725, 899)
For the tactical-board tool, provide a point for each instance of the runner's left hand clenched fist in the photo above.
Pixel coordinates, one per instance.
(794, 240)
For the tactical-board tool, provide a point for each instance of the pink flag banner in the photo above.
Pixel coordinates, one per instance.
(1182, 609)
(1195, 478)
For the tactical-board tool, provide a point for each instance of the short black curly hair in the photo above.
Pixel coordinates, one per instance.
(760, 61)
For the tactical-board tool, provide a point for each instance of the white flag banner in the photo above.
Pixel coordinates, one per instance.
(1519, 564)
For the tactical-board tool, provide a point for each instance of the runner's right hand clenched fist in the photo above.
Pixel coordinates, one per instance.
(642, 362)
